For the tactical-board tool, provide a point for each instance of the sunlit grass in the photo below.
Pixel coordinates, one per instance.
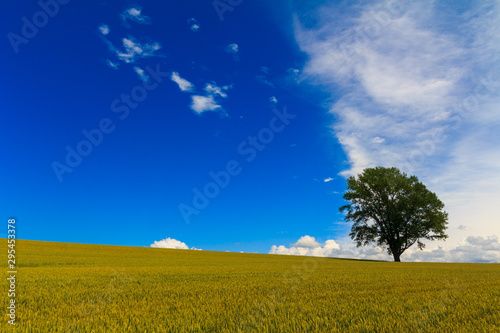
(91, 288)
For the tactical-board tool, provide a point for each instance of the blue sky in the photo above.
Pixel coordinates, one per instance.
(155, 97)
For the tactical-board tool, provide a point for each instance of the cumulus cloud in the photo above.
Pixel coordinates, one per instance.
(472, 249)
(416, 96)
(104, 29)
(200, 104)
(170, 243)
(134, 14)
(184, 85)
(193, 25)
(307, 241)
(308, 246)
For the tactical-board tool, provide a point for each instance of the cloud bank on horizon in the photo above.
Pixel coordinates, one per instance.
(416, 86)
(472, 249)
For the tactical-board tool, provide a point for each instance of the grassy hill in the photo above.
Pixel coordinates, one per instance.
(64, 287)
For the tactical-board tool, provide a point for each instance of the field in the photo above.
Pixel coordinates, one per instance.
(89, 288)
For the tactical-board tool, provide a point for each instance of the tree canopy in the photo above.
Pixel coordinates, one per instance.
(392, 210)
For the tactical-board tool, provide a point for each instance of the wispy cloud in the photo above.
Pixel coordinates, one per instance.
(327, 180)
(112, 64)
(232, 48)
(293, 75)
(142, 75)
(133, 50)
(415, 87)
(273, 100)
(104, 29)
(262, 77)
(184, 85)
(134, 14)
(213, 89)
(193, 24)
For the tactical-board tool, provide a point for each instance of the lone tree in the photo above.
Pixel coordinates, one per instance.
(393, 210)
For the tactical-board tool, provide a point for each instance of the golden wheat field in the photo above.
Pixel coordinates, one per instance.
(64, 287)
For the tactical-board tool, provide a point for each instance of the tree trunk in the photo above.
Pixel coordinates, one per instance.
(397, 256)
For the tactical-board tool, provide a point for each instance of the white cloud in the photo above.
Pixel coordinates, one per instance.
(194, 25)
(170, 243)
(134, 50)
(488, 244)
(142, 75)
(212, 89)
(377, 139)
(134, 14)
(112, 64)
(472, 249)
(419, 91)
(232, 48)
(201, 104)
(308, 246)
(104, 29)
(307, 241)
(329, 179)
(273, 100)
(184, 85)
(293, 76)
